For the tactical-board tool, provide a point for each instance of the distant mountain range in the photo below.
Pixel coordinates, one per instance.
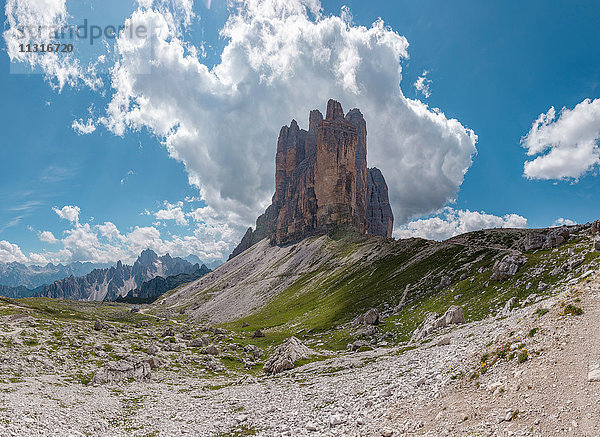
(15, 274)
(150, 290)
(108, 283)
(194, 259)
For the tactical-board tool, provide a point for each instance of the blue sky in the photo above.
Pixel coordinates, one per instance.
(493, 67)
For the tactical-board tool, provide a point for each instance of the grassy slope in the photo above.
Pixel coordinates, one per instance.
(320, 304)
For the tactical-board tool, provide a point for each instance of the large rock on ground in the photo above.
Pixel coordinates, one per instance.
(371, 317)
(507, 268)
(199, 342)
(556, 237)
(129, 368)
(545, 239)
(454, 315)
(286, 355)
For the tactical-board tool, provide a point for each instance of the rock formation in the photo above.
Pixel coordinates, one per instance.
(322, 182)
(150, 290)
(286, 354)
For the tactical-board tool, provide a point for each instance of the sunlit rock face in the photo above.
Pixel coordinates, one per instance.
(322, 182)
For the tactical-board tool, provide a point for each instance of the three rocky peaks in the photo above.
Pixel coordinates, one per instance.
(322, 182)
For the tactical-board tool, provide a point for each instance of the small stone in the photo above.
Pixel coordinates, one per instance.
(155, 362)
(199, 342)
(494, 386)
(336, 420)
(445, 281)
(387, 433)
(169, 332)
(258, 333)
(594, 373)
(310, 426)
(385, 393)
(444, 341)
(210, 350)
(152, 349)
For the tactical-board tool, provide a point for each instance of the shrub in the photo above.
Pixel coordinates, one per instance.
(572, 310)
(503, 351)
(532, 332)
(523, 356)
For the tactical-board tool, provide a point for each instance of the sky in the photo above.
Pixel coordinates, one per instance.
(480, 114)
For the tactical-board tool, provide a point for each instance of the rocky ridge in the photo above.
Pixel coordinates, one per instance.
(152, 289)
(15, 274)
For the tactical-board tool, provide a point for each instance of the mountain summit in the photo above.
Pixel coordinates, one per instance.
(322, 182)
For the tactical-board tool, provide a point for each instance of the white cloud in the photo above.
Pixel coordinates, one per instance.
(38, 259)
(209, 237)
(567, 146)
(422, 84)
(110, 231)
(564, 222)
(83, 128)
(11, 253)
(278, 64)
(172, 212)
(281, 59)
(68, 212)
(450, 222)
(34, 22)
(48, 237)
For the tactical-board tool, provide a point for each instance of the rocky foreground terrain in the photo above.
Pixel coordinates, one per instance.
(431, 360)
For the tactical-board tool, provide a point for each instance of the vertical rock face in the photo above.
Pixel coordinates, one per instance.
(322, 182)
(380, 220)
(337, 142)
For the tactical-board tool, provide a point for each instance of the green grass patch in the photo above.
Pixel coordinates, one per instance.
(572, 310)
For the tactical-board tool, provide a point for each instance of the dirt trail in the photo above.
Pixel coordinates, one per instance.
(548, 395)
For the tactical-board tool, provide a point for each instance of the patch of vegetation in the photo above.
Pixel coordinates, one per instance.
(31, 342)
(523, 356)
(532, 332)
(541, 311)
(572, 310)
(241, 431)
(84, 378)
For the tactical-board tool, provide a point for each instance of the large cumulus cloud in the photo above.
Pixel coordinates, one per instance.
(281, 59)
(450, 222)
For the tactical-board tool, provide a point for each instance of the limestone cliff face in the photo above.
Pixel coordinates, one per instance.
(380, 220)
(322, 182)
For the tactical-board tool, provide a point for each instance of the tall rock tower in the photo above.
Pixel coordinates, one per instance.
(322, 182)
